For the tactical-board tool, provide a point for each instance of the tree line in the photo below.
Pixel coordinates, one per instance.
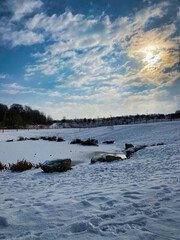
(118, 120)
(17, 116)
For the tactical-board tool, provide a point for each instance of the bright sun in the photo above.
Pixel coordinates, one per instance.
(152, 56)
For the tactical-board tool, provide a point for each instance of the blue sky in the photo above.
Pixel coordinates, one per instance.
(99, 58)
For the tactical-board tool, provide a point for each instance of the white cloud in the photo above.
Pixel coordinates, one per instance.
(21, 8)
(23, 37)
(98, 38)
(54, 94)
(3, 76)
(13, 86)
(10, 91)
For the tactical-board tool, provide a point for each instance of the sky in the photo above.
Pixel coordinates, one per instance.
(90, 58)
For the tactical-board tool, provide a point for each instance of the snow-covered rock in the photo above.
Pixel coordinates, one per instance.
(59, 165)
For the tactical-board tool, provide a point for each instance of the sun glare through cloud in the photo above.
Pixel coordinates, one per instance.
(152, 56)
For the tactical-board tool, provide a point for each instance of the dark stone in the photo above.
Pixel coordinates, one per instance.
(48, 138)
(59, 165)
(76, 141)
(90, 142)
(3, 222)
(44, 138)
(129, 145)
(105, 158)
(159, 144)
(108, 142)
(139, 148)
(33, 139)
(129, 152)
(51, 138)
(60, 139)
(11, 140)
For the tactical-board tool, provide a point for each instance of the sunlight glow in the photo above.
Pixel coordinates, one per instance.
(152, 56)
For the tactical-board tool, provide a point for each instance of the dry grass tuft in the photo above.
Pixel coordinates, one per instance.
(2, 166)
(21, 166)
(21, 139)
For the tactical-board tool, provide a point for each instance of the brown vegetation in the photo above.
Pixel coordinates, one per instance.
(88, 142)
(21, 139)
(21, 166)
(2, 166)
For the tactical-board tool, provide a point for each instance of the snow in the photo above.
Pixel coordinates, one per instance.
(138, 198)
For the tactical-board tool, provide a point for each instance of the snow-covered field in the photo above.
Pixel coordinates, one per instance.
(134, 199)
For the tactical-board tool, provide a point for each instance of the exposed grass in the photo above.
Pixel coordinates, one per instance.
(20, 166)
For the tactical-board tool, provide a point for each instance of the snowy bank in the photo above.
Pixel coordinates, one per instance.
(133, 199)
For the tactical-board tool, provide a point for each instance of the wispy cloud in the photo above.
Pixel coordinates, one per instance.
(20, 8)
(98, 39)
(3, 76)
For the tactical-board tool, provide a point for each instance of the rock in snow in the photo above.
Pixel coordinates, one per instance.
(108, 142)
(105, 158)
(128, 145)
(3, 222)
(59, 165)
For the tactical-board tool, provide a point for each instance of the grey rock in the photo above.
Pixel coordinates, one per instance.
(58, 165)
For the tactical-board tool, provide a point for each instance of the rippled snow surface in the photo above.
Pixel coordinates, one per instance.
(134, 199)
